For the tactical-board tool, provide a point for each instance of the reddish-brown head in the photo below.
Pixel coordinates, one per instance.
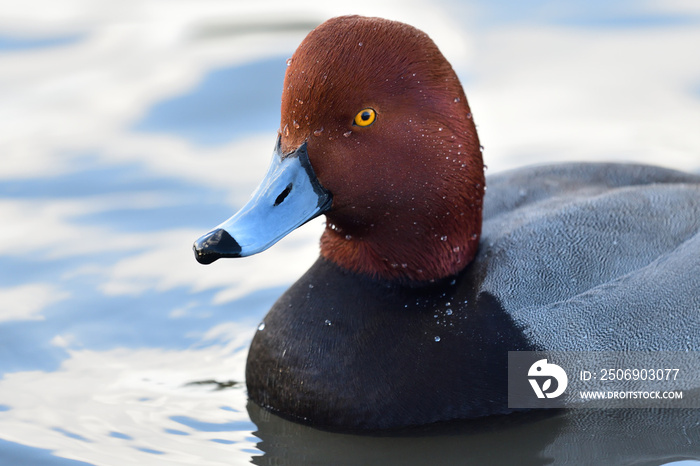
(407, 189)
(375, 121)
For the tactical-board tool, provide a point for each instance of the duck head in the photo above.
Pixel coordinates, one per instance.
(376, 133)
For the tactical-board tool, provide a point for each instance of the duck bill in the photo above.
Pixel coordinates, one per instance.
(289, 196)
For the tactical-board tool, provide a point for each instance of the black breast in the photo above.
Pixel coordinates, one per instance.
(340, 351)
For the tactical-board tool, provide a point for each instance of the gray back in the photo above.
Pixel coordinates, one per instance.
(595, 256)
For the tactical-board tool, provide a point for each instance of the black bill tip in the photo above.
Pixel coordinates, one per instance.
(215, 245)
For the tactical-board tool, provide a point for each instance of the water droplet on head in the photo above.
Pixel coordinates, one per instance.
(296, 125)
(448, 312)
(469, 116)
(348, 237)
(289, 61)
(327, 322)
(360, 44)
(437, 338)
(310, 285)
(457, 99)
(261, 327)
(347, 135)
(474, 236)
(443, 238)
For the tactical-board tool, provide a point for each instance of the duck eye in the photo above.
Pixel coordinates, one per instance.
(365, 118)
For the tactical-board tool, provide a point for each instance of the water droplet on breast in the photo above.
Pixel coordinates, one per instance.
(289, 61)
(328, 322)
(261, 327)
(286, 130)
(348, 237)
(437, 338)
(457, 99)
(443, 238)
(360, 44)
(296, 125)
(318, 131)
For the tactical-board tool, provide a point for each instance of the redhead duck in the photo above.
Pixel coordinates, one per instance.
(423, 283)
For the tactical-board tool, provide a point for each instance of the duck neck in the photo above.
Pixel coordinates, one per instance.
(410, 245)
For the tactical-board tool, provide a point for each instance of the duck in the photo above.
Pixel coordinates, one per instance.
(424, 282)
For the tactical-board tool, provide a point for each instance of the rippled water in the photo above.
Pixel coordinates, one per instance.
(130, 128)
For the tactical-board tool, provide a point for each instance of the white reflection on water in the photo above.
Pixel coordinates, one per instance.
(129, 130)
(135, 405)
(25, 302)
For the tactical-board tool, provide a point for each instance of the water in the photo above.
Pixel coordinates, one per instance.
(127, 132)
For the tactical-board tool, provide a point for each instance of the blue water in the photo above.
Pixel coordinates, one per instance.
(205, 116)
(616, 15)
(10, 43)
(122, 144)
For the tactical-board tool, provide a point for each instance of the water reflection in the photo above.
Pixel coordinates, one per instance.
(207, 115)
(18, 44)
(580, 436)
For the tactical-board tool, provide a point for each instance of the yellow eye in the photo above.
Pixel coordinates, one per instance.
(365, 118)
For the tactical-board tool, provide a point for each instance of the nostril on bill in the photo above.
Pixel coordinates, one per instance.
(283, 195)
